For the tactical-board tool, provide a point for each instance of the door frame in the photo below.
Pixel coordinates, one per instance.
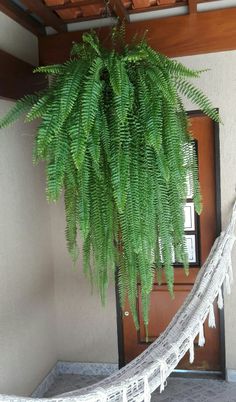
(121, 354)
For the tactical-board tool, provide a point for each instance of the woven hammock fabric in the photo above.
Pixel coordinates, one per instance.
(136, 381)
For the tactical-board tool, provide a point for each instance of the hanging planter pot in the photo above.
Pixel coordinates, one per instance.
(116, 142)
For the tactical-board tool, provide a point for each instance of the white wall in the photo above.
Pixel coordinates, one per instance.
(27, 316)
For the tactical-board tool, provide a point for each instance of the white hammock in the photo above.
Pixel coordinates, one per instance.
(136, 381)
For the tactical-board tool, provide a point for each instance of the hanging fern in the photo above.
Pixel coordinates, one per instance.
(115, 138)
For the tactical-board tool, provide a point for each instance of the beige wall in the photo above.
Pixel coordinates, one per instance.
(18, 41)
(86, 331)
(27, 344)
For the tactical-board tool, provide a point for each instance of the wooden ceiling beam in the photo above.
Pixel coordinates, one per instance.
(17, 78)
(119, 9)
(174, 36)
(179, 3)
(18, 15)
(74, 4)
(192, 6)
(49, 18)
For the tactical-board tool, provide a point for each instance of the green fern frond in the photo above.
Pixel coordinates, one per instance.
(198, 97)
(93, 41)
(21, 106)
(91, 95)
(39, 108)
(70, 90)
(115, 138)
(53, 69)
(117, 74)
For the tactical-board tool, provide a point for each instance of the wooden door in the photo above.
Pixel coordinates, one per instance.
(204, 231)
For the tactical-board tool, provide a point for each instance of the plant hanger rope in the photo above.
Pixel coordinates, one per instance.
(115, 138)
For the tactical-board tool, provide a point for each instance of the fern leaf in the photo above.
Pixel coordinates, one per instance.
(39, 108)
(21, 106)
(71, 87)
(115, 138)
(91, 95)
(93, 41)
(50, 70)
(198, 97)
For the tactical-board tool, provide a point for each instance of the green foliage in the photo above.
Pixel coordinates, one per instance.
(115, 138)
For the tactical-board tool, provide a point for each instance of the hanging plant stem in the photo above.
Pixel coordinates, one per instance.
(115, 138)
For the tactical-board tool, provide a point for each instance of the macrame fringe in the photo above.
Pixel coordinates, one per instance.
(201, 337)
(102, 396)
(227, 284)
(191, 351)
(175, 350)
(163, 374)
(146, 391)
(124, 395)
(230, 270)
(220, 301)
(211, 317)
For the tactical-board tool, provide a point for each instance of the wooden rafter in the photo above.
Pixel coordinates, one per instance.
(17, 78)
(192, 6)
(174, 36)
(179, 3)
(119, 9)
(47, 15)
(74, 4)
(18, 15)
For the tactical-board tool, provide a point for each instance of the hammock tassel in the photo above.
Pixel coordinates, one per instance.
(227, 284)
(201, 337)
(102, 395)
(191, 351)
(124, 395)
(211, 317)
(147, 393)
(230, 271)
(163, 374)
(220, 302)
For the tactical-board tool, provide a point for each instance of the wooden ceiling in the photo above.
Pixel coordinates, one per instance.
(35, 15)
(80, 10)
(194, 31)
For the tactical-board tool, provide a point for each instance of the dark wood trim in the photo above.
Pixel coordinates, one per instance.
(83, 19)
(218, 229)
(174, 36)
(74, 4)
(192, 6)
(47, 15)
(129, 10)
(20, 16)
(180, 3)
(119, 9)
(120, 335)
(217, 175)
(17, 78)
(119, 321)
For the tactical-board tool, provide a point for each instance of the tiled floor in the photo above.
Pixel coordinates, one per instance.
(177, 390)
